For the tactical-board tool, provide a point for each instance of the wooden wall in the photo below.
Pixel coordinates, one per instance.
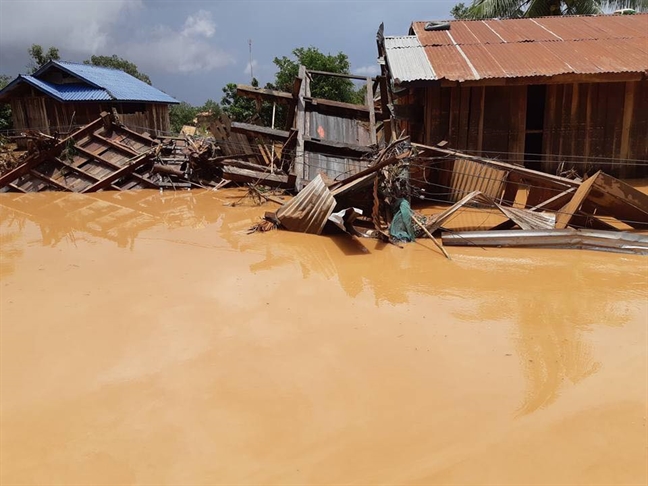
(48, 115)
(585, 125)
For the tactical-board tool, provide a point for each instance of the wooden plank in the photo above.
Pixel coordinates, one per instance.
(300, 125)
(628, 107)
(271, 95)
(567, 212)
(112, 165)
(114, 144)
(337, 108)
(49, 180)
(464, 115)
(77, 170)
(337, 75)
(238, 174)
(124, 171)
(517, 131)
(369, 99)
(290, 116)
(255, 130)
(16, 188)
(615, 198)
(474, 115)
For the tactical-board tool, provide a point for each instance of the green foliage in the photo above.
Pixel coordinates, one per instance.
(38, 56)
(484, 9)
(185, 114)
(181, 114)
(237, 107)
(328, 87)
(460, 12)
(117, 62)
(6, 122)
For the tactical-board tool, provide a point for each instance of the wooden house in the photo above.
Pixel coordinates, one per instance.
(62, 95)
(551, 93)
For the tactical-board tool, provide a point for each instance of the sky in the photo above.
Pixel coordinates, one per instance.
(191, 48)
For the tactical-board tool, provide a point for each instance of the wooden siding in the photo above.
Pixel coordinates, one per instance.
(587, 126)
(48, 115)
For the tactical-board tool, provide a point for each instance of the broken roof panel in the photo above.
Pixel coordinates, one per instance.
(410, 62)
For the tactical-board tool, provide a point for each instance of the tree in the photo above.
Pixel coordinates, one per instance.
(181, 114)
(120, 63)
(5, 110)
(237, 107)
(460, 12)
(39, 56)
(484, 9)
(328, 87)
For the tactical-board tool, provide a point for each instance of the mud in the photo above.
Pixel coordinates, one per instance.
(146, 339)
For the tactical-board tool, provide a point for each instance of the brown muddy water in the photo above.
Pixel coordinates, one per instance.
(146, 339)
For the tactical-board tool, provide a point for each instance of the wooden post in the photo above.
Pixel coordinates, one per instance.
(369, 98)
(300, 125)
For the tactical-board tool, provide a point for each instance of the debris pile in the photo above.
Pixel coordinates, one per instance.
(351, 173)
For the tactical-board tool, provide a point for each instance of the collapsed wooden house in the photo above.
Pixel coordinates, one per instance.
(61, 95)
(551, 93)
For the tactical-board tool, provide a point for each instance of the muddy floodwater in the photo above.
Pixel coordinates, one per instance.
(147, 339)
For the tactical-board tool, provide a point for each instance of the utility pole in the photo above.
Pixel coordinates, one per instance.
(251, 72)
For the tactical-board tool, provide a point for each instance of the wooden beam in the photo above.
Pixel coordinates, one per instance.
(300, 125)
(337, 108)
(567, 212)
(49, 180)
(270, 95)
(124, 171)
(336, 75)
(628, 107)
(255, 130)
(16, 188)
(369, 100)
(103, 160)
(114, 144)
(557, 79)
(77, 170)
(238, 174)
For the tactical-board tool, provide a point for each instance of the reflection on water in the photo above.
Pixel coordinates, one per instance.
(551, 316)
(140, 328)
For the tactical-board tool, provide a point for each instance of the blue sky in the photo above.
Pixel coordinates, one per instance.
(191, 49)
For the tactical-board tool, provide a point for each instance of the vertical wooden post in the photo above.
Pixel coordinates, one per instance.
(300, 125)
(369, 99)
(628, 107)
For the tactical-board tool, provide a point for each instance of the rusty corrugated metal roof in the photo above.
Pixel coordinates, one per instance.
(546, 46)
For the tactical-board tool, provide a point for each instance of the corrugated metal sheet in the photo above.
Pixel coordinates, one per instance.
(69, 92)
(120, 85)
(548, 46)
(408, 61)
(469, 176)
(309, 210)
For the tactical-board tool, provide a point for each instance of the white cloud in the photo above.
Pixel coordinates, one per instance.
(186, 50)
(199, 24)
(73, 26)
(250, 67)
(371, 70)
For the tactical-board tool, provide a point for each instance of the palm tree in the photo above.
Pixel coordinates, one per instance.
(512, 9)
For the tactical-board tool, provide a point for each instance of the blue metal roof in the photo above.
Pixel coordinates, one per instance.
(120, 85)
(69, 92)
(95, 84)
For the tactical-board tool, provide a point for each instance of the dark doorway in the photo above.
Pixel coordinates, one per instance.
(535, 109)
